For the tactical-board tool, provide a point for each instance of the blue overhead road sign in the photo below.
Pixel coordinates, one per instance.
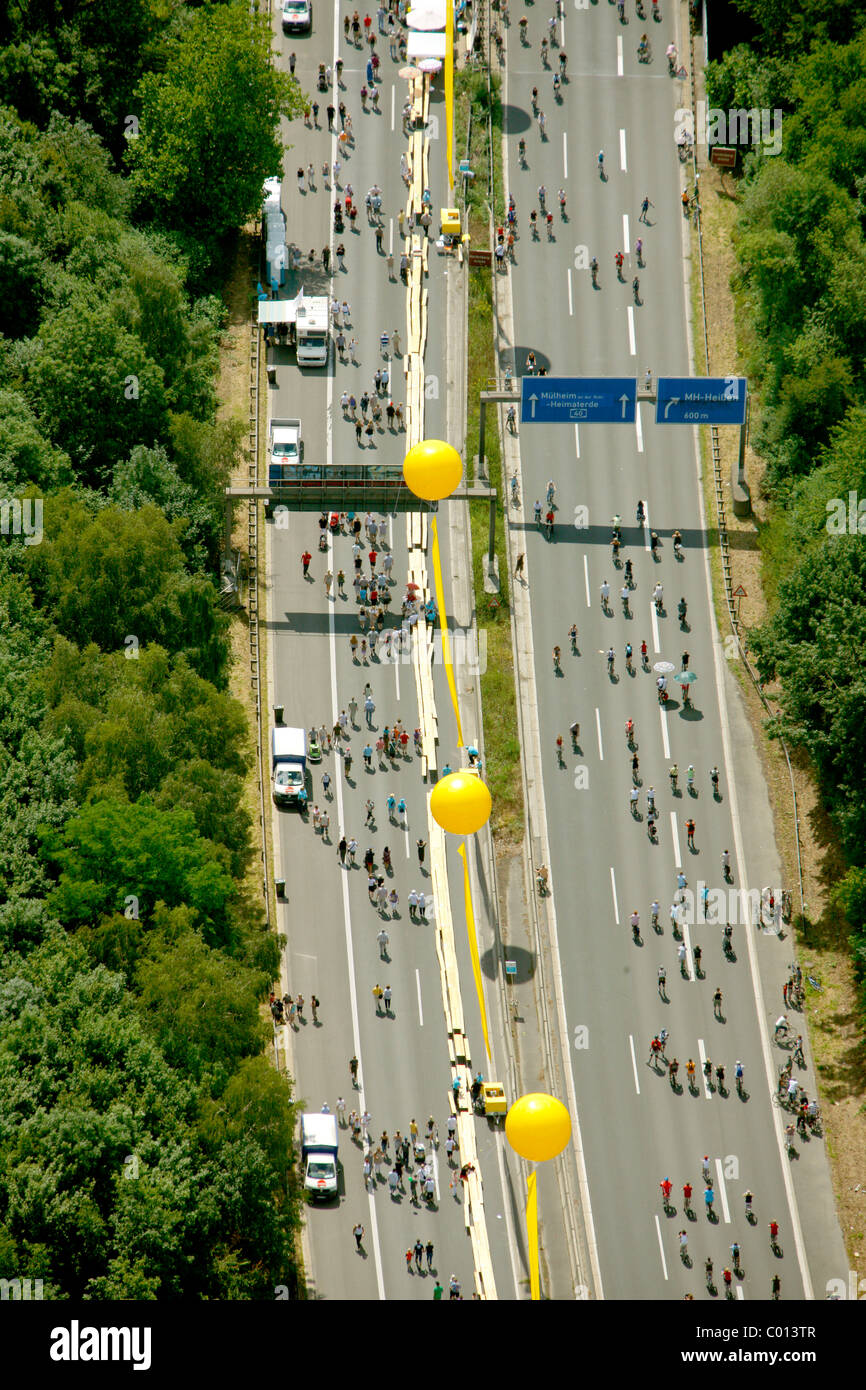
(701, 400)
(560, 400)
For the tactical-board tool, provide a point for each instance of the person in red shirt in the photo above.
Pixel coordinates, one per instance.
(305, 561)
(687, 1195)
(665, 1186)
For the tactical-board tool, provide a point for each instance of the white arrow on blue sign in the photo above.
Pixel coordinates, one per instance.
(701, 400)
(546, 400)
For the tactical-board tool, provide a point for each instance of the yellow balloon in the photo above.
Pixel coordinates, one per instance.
(538, 1126)
(461, 803)
(432, 469)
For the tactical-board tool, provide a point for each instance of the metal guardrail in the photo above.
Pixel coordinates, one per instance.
(253, 597)
(721, 517)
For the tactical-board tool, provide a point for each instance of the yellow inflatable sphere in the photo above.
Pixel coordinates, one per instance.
(432, 469)
(461, 803)
(538, 1127)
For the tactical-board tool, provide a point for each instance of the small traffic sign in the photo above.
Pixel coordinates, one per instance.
(701, 400)
(739, 592)
(588, 400)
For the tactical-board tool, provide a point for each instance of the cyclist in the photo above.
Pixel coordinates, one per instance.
(673, 773)
(593, 266)
(629, 573)
(635, 920)
(774, 1234)
(542, 195)
(738, 1073)
(624, 595)
(535, 101)
(690, 777)
(548, 522)
(536, 507)
(666, 1186)
(563, 60)
(556, 83)
(697, 953)
(717, 1002)
(726, 863)
(604, 590)
(628, 662)
(574, 730)
(735, 1254)
(643, 653)
(781, 1025)
(678, 542)
(514, 489)
(353, 1068)
(687, 1196)
(650, 798)
(635, 287)
(533, 224)
(629, 732)
(708, 1269)
(720, 1076)
(690, 1072)
(662, 979)
(654, 541)
(748, 1198)
(708, 1071)
(673, 1071)
(709, 1198)
(557, 659)
(551, 491)
(635, 767)
(619, 258)
(562, 201)
(714, 780)
(682, 609)
(654, 912)
(559, 747)
(510, 421)
(521, 151)
(611, 658)
(726, 1275)
(541, 123)
(572, 632)
(601, 164)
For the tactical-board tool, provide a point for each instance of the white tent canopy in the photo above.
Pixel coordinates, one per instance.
(425, 45)
(427, 14)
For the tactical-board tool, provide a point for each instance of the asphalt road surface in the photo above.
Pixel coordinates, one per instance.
(330, 924)
(637, 1128)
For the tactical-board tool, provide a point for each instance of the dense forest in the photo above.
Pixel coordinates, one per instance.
(145, 1140)
(801, 284)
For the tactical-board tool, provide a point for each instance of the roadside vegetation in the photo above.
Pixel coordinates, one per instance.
(502, 744)
(146, 1143)
(800, 245)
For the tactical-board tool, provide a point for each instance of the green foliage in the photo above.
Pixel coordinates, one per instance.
(210, 123)
(201, 1008)
(109, 1185)
(120, 575)
(112, 853)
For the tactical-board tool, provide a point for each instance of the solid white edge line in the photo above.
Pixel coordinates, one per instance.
(576, 440)
(666, 747)
(626, 236)
(598, 733)
(570, 293)
(655, 627)
(638, 429)
(613, 894)
(632, 345)
(623, 162)
(619, 65)
(565, 154)
(586, 578)
(760, 1008)
(702, 1053)
(420, 1005)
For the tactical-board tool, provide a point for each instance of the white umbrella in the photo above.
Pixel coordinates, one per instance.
(409, 71)
(430, 65)
(664, 666)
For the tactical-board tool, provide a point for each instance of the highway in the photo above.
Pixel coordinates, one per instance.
(330, 924)
(637, 1128)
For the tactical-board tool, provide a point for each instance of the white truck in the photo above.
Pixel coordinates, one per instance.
(312, 330)
(319, 1154)
(288, 764)
(286, 450)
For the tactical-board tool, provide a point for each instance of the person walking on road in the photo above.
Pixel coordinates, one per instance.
(358, 1233)
(342, 847)
(421, 846)
(369, 710)
(419, 1253)
(386, 995)
(383, 938)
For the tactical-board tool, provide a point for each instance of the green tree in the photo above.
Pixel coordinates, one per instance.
(26, 456)
(118, 574)
(210, 123)
(201, 1008)
(111, 852)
